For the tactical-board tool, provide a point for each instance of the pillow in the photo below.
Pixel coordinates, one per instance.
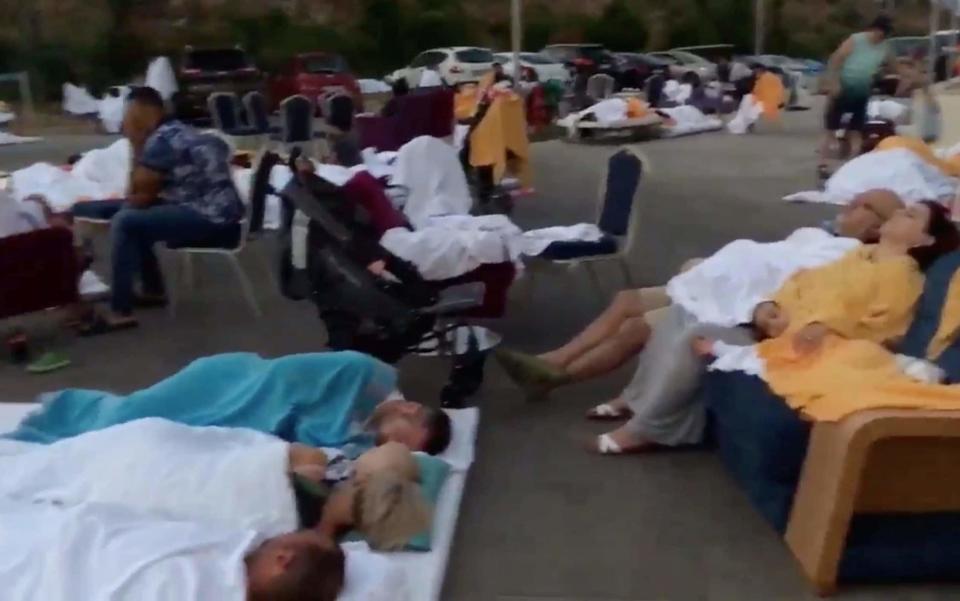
(433, 474)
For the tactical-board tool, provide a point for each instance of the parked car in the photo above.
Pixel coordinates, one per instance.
(633, 68)
(457, 65)
(586, 59)
(203, 72)
(314, 74)
(682, 62)
(543, 66)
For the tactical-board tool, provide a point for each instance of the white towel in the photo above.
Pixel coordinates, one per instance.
(725, 288)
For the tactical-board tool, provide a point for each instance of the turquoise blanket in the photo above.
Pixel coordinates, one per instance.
(321, 399)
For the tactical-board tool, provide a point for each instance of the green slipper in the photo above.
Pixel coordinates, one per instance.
(534, 375)
(48, 362)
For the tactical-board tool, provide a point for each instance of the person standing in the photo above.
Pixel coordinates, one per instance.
(851, 72)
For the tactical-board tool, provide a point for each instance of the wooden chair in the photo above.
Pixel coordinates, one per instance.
(877, 461)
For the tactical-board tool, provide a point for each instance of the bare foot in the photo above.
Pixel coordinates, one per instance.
(553, 358)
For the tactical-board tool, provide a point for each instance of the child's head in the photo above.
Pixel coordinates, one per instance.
(389, 510)
(390, 456)
(769, 320)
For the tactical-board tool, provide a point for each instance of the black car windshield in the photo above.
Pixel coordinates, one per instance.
(217, 60)
(324, 63)
(474, 55)
(595, 53)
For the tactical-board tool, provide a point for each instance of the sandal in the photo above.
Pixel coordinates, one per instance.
(48, 362)
(606, 445)
(608, 412)
(98, 325)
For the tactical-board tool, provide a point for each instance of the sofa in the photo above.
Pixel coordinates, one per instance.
(873, 498)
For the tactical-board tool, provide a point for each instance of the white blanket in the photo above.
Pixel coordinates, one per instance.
(747, 114)
(101, 553)
(676, 91)
(431, 172)
(689, 120)
(450, 246)
(160, 77)
(99, 174)
(898, 170)
(9, 139)
(373, 86)
(112, 109)
(725, 288)
(236, 478)
(79, 101)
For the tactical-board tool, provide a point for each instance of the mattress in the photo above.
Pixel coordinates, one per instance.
(423, 573)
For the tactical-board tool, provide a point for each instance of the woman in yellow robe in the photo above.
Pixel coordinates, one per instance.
(832, 360)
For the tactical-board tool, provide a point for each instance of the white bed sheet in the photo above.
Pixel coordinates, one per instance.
(424, 572)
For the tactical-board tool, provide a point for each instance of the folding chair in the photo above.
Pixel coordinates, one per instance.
(600, 86)
(255, 106)
(183, 268)
(296, 122)
(224, 109)
(618, 217)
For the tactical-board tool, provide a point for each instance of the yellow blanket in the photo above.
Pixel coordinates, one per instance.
(769, 91)
(866, 302)
(950, 166)
(502, 130)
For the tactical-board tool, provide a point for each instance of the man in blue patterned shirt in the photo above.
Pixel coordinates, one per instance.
(181, 194)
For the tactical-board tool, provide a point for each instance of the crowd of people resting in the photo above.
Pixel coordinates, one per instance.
(283, 459)
(822, 305)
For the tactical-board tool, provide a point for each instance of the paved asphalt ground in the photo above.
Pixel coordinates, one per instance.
(543, 520)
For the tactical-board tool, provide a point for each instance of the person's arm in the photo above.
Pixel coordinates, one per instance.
(145, 186)
(308, 462)
(835, 63)
(153, 158)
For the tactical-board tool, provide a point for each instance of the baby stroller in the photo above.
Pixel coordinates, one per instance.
(328, 245)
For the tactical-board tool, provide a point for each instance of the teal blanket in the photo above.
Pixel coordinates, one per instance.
(321, 399)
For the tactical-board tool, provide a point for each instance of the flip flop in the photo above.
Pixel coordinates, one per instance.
(48, 362)
(99, 326)
(607, 412)
(606, 445)
(534, 376)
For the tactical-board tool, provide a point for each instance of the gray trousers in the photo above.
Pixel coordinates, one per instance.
(663, 393)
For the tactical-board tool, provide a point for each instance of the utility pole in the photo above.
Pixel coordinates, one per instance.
(758, 18)
(516, 37)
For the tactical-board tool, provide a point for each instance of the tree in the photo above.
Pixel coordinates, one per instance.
(618, 28)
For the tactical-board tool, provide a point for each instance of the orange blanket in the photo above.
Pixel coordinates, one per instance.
(770, 93)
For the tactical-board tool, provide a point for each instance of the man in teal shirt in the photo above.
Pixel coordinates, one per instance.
(851, 73)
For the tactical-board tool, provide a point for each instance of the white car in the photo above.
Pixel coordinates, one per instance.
(545, 67)
(457, 65)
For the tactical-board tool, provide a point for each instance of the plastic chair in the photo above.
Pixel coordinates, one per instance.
(184, 266)
(224, 109)
(600, 86)
(618, 217)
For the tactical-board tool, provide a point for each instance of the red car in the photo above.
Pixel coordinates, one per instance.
(313, 75)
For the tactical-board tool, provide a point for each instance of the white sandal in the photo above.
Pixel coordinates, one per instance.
(608, 412)
(606, 445)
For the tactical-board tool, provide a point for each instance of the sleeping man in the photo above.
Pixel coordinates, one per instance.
(65, 553)
(345, 400)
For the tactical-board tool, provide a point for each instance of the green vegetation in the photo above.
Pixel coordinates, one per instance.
(101, 42)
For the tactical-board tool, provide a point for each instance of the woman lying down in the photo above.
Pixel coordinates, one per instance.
(235, 485)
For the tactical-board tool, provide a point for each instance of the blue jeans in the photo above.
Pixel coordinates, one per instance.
(135, 231)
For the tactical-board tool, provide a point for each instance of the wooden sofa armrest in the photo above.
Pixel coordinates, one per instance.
(868, 463)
